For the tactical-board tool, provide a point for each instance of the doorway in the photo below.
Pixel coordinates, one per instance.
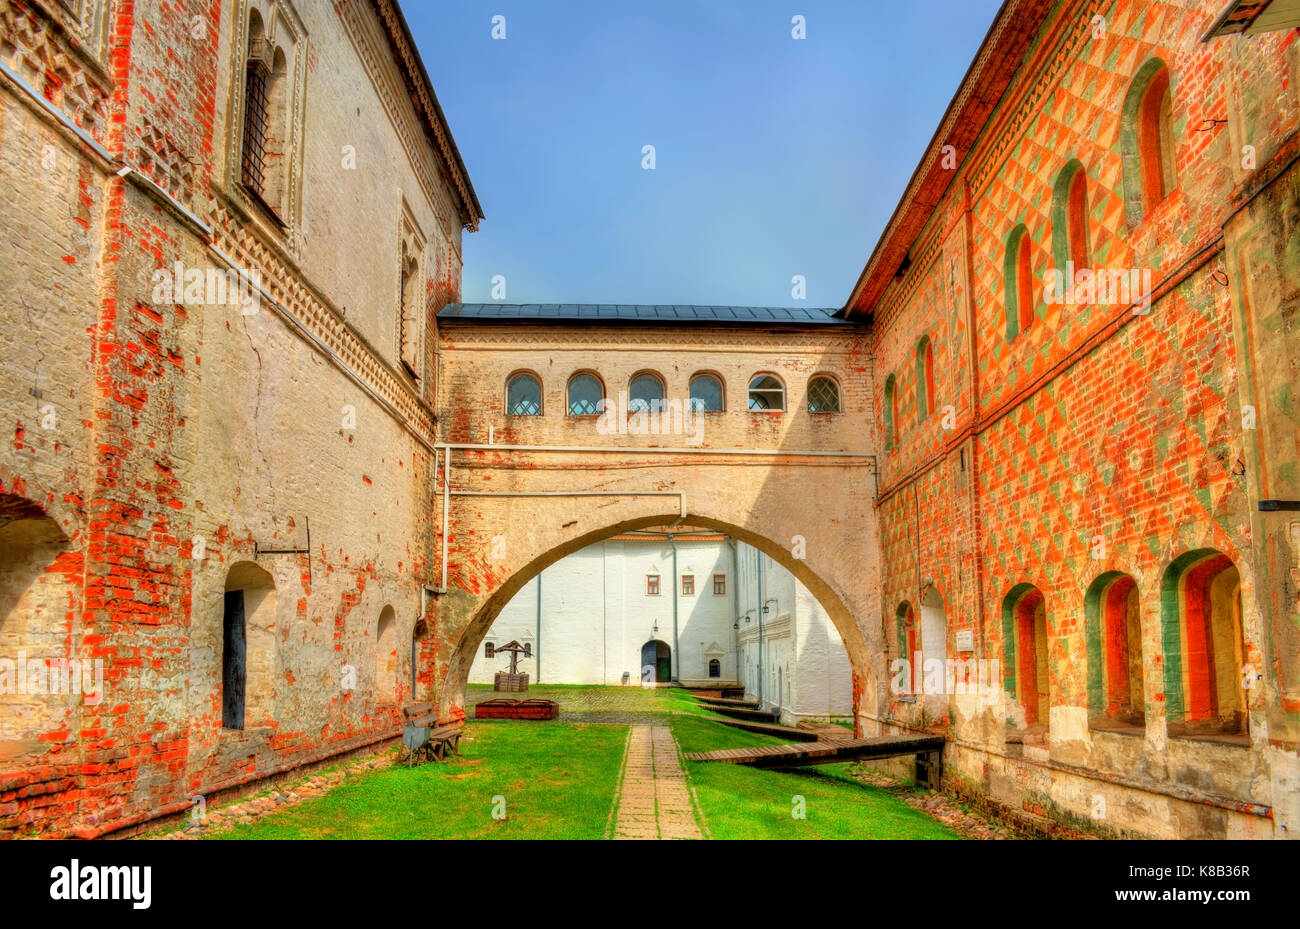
(656, 662)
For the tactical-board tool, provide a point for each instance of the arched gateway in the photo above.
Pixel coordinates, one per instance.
(520, 492)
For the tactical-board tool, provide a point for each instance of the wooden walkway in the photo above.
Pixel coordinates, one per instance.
(781, 732)
(711, 702)
(811, 753)
(740, 712)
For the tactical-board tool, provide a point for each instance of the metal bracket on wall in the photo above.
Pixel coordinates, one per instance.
(258, 550)
(1273, 506)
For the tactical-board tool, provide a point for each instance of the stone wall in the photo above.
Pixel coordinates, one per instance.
(169, 444)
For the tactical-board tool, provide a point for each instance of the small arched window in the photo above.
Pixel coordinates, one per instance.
(715, 667)
(524, 396)
(924, 379)
(586, 395)
(409, 321)
(264, 130)
(891, 412)
(1070, 219)
(386, 658)
(823, 395)
(646, 392)
(1147, 140)
(706, 393)
(1018, 282)
(766, 392)
(909, 643)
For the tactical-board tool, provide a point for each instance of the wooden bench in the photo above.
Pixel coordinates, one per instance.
(424, 738)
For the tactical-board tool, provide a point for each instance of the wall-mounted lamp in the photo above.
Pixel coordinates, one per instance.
(766, 609)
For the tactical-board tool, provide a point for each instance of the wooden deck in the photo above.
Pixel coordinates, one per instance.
(811, 753)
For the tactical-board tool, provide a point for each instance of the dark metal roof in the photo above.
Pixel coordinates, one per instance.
(641, 313)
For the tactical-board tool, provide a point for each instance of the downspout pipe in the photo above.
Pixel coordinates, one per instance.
(537, 648)
(759, 573)
(425, 592)
(735, 604)
(677, 655)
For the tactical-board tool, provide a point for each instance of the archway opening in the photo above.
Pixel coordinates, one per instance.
(1200, 603)
(249, 655)
(863, 662)
(1025, 666)
(656, 662)
(1114, 644)
(40, 588)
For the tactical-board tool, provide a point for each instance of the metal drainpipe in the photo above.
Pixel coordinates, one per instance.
(735, 604)
(759, 573)
(537, 649)
(677, 655)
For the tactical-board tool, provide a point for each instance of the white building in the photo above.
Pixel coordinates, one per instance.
(649, 606)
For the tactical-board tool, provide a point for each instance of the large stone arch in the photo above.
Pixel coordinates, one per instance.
(465, 615)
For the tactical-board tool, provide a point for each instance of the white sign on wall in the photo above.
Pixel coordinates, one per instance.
(965, 640)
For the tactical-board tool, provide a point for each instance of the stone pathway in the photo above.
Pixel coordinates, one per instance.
(654, 800)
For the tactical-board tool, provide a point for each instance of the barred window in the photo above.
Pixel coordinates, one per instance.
(706, 393)
(823, 395)
(255, 128)
(524, 396)
(586, 396)
(646, 392)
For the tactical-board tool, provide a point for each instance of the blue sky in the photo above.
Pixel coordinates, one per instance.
(774, 157)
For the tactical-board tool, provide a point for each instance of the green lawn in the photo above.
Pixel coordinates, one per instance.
(558, 781)
(749, 803)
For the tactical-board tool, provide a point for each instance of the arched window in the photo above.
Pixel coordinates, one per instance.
(934, 625)
(645, 392)
(891, 413)
(1147, 140)
(907, 681)
(924, 379)
(823, 395)
(1024, 643)
(715, 667)
(386, 658)
(410, 310)
(1070, 219)
(766, 392)
(1018, 282)
(257, 70)
(264, 132)
(524, 396)
(706, 393)
(1200, 599)
(586, 395)
(1113, 636)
